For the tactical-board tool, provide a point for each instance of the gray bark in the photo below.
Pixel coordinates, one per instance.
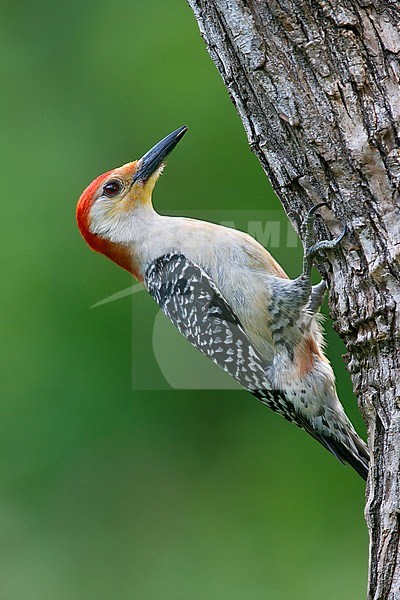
(316, 84)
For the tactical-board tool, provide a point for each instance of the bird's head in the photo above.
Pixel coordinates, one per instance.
(108, 205)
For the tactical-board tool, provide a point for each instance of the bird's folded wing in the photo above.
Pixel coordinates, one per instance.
(193, 303)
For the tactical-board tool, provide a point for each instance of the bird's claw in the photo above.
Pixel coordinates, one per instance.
(312, 249)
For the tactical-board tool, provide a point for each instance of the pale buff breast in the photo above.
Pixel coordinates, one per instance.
(240, 267)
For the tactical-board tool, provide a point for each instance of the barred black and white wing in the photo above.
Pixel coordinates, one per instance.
(193, 303)
(191, 300)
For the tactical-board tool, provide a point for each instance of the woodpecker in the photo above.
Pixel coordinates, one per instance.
(228, 296)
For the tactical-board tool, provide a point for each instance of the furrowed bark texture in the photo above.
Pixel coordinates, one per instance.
(316, 84)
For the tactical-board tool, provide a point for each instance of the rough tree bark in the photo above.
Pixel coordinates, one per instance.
(316, 84)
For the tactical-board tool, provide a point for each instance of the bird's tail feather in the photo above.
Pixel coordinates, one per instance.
(352, 451)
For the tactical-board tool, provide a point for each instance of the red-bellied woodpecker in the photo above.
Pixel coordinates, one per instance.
(227, 295)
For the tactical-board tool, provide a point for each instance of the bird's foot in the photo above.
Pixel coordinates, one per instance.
(311, 249)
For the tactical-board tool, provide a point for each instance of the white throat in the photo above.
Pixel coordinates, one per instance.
(122, 226)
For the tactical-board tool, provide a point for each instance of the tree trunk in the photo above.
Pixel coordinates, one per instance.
(316, 84)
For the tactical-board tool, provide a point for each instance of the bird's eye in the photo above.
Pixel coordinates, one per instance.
(112, 188)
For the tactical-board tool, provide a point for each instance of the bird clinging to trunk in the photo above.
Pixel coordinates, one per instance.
(227, 295)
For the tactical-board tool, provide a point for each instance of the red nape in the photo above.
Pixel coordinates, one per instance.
(118, 253)
(85, 203)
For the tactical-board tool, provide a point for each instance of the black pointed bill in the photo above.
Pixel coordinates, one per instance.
(154, 158)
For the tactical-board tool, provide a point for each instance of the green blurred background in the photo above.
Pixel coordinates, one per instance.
(109, 491)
